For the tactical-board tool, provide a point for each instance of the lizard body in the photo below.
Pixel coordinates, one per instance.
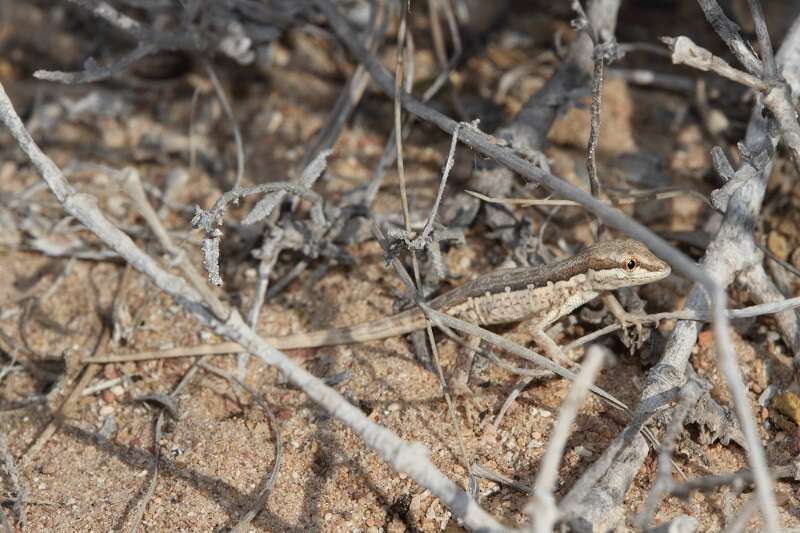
(540, 294)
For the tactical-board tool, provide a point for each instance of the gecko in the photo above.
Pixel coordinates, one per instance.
(538, 294)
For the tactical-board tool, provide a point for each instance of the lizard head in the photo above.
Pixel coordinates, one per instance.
(623, 263)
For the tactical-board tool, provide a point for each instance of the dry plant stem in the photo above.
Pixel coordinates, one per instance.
(406, 279)
(226, 107)
(448, 166)
(770, 72)
(390, 152)
(738, 480)
(436, 33)
(660, 80)
(761, 288)
(529, 129)
(398, 119)
(778, 307)
(269, 256)
(633, 197)
(542, 506)
(119, 20)
(687, 52)
(192, 136)
(729, 33)
(426, 231)
(136, 520)
(149, 42)
(151, 489)
(663, 482)
(410, 459)
(353, 89)
(268, 482)
(485, 145)
(445, 65)
(405, 46)
(485, 473)
(466, 457)
(133, 186)
(98, 73)
(594, 129)
(778, 93)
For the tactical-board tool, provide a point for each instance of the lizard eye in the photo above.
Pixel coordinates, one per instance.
(631, 264)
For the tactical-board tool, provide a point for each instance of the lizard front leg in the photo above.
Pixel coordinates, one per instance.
(621, 314)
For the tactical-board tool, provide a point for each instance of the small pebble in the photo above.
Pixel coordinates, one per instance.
(788, 404)
(778, 244)
(118, 390)
(583, 451)
(796, 258)
(765, 397)
(107, 396)
(106, 410)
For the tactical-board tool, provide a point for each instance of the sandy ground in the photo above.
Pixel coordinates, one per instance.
(94, 472)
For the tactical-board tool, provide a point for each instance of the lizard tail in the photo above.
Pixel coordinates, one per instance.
(399, 324)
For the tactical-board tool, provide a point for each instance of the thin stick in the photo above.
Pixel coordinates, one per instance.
(269, 480)
(541, 508)
(634, 197)
(151, 489)
(448, 166)
(729, 33)
(764, 43)
(690, 394)
(687, 52)
(237, 135)
(398, 113)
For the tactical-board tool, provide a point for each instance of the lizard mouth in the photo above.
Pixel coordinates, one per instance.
(655, 275)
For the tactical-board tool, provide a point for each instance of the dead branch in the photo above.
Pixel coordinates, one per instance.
(732, 251)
